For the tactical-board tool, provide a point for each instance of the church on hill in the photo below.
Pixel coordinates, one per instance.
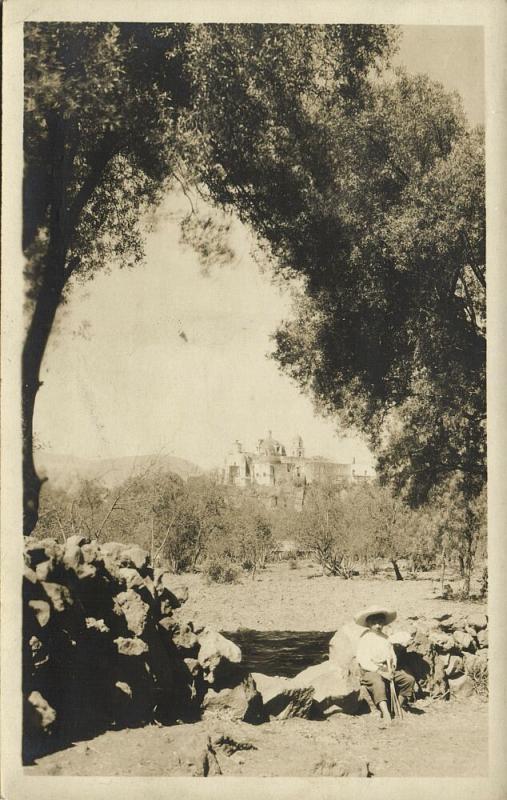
(271, 465)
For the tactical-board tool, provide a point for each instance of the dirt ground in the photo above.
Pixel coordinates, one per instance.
(439, 739)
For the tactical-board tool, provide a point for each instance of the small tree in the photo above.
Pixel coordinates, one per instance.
(325, 528)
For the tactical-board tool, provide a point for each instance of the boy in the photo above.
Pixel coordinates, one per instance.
(377, 660)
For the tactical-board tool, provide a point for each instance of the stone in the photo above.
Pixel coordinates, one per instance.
(455, 666)
(72, 556)
(239, 703)
(131, 647)
(347, 768)
(463, 640)
(193, 666)
(111, 550)
(42, 611)
(184, 639)
(30, 575)
(169, 590)
(90, 551)
(332, 685)
(281, 700)
(78, 540)
(482, 638)
(42, 715)
(213, 650)
(59, 595)
(442, 641)
(461, 687)
(478, 621)
(122, 686)
(86, 572)
(45, 570)
(343, 645)
(97, 624)
(131, 578)
(134, 557)
(133, 609)
(443, 615)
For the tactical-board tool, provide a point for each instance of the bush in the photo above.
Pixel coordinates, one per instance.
(478, 671)
(221, 570)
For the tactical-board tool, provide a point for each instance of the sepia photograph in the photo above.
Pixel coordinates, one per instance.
(253, 399)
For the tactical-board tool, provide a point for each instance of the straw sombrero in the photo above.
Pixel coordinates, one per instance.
(360, 619)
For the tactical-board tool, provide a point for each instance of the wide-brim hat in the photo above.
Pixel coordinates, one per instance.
(389, 616)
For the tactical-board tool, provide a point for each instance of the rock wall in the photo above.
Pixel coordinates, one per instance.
(105, 644)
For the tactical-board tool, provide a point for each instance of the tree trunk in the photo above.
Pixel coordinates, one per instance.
(399, 576)
(37, 337)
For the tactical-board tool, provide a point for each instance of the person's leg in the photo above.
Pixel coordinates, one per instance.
(377, 689)
(404, 684)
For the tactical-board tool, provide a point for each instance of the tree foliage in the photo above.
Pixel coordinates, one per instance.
(115, 112)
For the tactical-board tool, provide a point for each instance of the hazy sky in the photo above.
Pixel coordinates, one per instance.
(132, 384)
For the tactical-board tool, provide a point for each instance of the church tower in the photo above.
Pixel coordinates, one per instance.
(298, 448)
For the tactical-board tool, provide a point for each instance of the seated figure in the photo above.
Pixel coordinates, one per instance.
(377, 663)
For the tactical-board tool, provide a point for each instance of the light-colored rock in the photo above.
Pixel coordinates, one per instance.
(97, 624)
(461, 687)
(133, 609)
(78, 539)
(483, 638)
(42, 714)
(478, 621)
(42, 611)
(30, 575)
(131, 578)
(45, 570)
(90, 551)
(122, 686)
(442, 641)
(59, 595)
(214, 649)
(455, 666)
(331, 684)
(463, 640)
(343, 645)
(131, 647)
(134, 557)
(86, 572)
(240, 703)
(183, 637)
(72, 556)
(280, 699)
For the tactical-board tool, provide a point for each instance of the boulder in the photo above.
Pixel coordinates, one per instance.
(169, 590)
(133, 609)
(343, 645)
(477, 621)
(463, 640)
(130, 578)
(184, 639)
(131, 647)
(77, 540)
(281, 700)
(134, 557)
(46, 570)
(331, 685)
(90, 551)
(241, 702)
(72, 556)
(442, 641)
(214, 649)
(59, 595)
(97, 625)
(461, 687)
(455, 666)
(40, 715)
(482, 638)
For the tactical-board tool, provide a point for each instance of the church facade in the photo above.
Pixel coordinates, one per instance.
(272, 466)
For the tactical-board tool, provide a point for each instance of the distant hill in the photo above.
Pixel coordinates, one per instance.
(65, 471)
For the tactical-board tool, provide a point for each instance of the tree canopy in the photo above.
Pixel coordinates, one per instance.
(375, 198)
(116, 112)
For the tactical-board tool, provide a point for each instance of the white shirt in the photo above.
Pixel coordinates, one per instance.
(374, 650)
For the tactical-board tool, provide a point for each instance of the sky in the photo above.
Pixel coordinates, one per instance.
(163, 359)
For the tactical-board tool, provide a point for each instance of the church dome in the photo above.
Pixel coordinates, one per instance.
(270, 447)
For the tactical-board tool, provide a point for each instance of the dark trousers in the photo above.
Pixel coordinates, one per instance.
(378, 687)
